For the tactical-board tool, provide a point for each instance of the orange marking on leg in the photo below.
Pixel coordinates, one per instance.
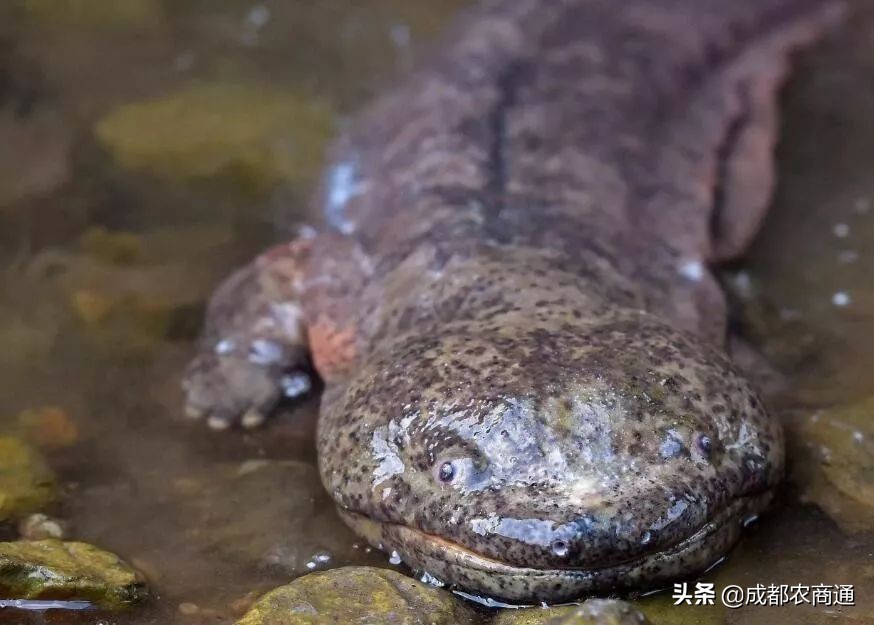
(333, 347)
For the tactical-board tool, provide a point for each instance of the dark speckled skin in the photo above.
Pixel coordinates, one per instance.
(513, 284)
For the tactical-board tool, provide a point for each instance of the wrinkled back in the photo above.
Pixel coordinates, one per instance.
(638, 132)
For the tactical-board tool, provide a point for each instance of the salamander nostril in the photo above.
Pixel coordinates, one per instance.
(560, 548)
(671, 447)
(705, 444)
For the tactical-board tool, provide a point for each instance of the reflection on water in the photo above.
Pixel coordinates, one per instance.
(149, 146)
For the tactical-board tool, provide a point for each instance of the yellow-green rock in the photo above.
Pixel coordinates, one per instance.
(661, 610)
(26, 483)
(834, 463)
(256, 136)
(592, 612)
(95, 13)
(117, 248)
(68, 570)
(357, 595)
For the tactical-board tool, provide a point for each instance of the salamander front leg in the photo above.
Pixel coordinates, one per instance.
(253, 351)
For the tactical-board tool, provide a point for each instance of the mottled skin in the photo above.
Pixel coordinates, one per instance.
(527, 391)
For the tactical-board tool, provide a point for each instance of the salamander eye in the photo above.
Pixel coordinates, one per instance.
(446, 472)
(704, 444)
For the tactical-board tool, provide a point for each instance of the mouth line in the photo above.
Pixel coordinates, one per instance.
(476, 560)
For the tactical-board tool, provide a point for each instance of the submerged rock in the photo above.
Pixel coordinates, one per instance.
(53, 569)
(116, 248)
(34, 155)
(25, 339)
(358, 595)
(95, 13)
(48, 427)
(592, 612)
(26, 483)
(128, 291)
(256, 136)
(835, 463)
(136, 317)
(661, 609)
(230, 515)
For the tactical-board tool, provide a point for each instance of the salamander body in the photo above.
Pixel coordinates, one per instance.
(511, 303)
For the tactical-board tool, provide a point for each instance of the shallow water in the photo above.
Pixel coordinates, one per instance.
(108, 247)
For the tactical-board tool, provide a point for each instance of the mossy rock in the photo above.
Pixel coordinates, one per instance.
(26, 483)
(54, 569)
(835, 463)
(357, 596)
(661, 610)
(592, 612)
(256, 136)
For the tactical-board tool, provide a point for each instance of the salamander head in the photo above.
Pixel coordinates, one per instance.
(538, 466)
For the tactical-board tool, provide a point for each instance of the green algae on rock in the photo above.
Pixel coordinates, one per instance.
(835, 465)
(257, 136)
(592, 612)
(660, 609)
(357, 595)
(54, 569)
(26, 483)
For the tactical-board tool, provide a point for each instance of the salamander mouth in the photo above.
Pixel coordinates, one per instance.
(464, 569)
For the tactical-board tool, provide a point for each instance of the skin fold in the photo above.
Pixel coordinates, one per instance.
(510, 298)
